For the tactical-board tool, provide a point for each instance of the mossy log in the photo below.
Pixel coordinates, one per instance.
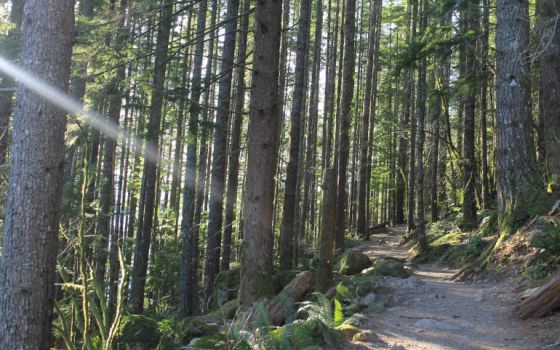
(541, 301)
(282, 304)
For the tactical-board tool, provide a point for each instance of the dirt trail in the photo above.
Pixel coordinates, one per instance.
(436, 313)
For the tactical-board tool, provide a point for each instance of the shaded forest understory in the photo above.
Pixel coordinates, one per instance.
(279, 174)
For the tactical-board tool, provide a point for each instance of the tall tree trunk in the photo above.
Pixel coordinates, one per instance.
(143, 238)
(550, 86)
(256, 266)
(188, 269)
(235, 143)
(486, 197)
(219, 153)
(308, 205)
(291, 206)
(421, 114)
(345, 116)
(27, 268)
(326, 240)
(409, 109)
(469, 201)
(106, 193)
(364, 141)
(518, 185)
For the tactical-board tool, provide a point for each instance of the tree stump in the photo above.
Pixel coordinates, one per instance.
(541, 301)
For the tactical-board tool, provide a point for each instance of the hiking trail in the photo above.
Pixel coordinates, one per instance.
(430, 311)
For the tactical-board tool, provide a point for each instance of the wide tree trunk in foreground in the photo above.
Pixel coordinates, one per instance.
(256, 265)
(27, 269)
(518, 185)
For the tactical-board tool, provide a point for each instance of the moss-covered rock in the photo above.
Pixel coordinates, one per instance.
(227, 310)
(226, 286)
(282, 278)
(348, 330)
(309, 334)
(138, 332)
(217, 341)
(353, 262)
(389, 267)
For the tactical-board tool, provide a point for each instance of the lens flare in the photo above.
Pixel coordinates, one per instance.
(69, 104)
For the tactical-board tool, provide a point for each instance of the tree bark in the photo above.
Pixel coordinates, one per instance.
(235, 143)
(256, 266)
(345, 117)
(219, 152)
(188, 269)
(326, 239)
(517, 184)
(143, 238)
(469, 201)
(27, 269)
(550, 87)
(291, 205)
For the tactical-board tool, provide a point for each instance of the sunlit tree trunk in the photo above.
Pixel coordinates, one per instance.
(256, 266)
(518, 185)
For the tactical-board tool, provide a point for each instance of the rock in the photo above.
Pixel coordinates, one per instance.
(227, 310)
(357, 320)
(364, 337)
(411, 282)
(479, 296)
(226, 286)
(353, 262)
(390, 267)
(348, 330)
(427, 323)
(368, 299)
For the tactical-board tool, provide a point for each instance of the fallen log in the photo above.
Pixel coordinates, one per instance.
(542, 301)
(379, 228)
(298, 288)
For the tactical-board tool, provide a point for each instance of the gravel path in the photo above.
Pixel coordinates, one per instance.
(432, 312)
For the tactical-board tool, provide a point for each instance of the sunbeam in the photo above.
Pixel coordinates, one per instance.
(69, 104)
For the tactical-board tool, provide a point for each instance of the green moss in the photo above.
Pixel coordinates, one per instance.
(389, 267)
(218, 341)
(309, 334)
(226, 286)
(352, 262)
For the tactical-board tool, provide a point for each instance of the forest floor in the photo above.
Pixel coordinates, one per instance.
(432, 312)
